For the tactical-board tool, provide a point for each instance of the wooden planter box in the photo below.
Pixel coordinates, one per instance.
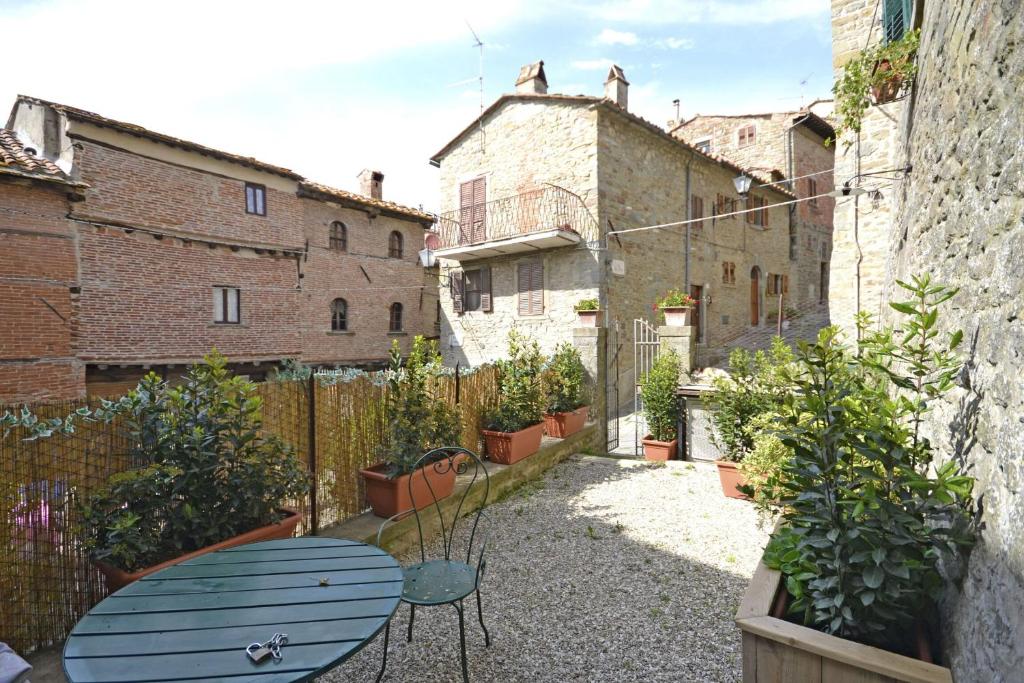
(118, 578)
(777, 651)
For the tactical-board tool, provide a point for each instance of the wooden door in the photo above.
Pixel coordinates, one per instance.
(755, 296)
(697, 293)
(473, 211)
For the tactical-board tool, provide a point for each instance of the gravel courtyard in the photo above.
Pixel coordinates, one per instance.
(604, 570)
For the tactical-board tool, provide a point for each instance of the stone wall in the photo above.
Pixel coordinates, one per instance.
(961, 217)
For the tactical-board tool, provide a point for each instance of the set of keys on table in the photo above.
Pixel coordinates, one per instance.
(272, 648)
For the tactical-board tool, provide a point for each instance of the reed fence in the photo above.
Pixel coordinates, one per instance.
(46, 580)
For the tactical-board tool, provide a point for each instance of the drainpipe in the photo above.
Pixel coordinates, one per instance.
(689, 211)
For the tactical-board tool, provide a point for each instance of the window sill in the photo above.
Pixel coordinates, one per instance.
(229, 326)
(340, 333)
(398, 334)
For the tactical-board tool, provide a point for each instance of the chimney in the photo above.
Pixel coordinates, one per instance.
(371, 183)
(616, 88)
(532, 80)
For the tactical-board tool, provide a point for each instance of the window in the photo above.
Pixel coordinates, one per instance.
(339, 315)
(728, 273)
(725, 205)
(812, 192)
(896, 15)
(339, 236)
(746, 136)
(395, 245)
(255, 199)
(226, 308)
(471, 290)
(697, 212)
(777, 284)
(531, 288)
(395, 320)
(703, 145)
(758, 218)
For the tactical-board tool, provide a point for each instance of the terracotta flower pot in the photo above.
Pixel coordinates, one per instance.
(589, 318)
(116, 578)
(659, 450)
(678, 316)
(561, 425)
(888, 91)
(730, 477)
(507, 448)
(389, 496)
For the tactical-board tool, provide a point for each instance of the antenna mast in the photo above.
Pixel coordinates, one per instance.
(479, 44)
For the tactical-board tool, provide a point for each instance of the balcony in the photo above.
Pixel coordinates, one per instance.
(545, 218)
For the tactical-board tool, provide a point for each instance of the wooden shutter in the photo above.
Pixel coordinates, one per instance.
(531, 288)
(458, 286)
(479, 209)
(697, 212)
(524, 288)
(465, 211)
(750, 205)
(764, 213)
(785, 284)
(771, 285)
(485, 289)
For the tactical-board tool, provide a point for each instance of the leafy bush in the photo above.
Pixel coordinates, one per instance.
(586, 305)
(211, 473)
(564, 380)
(756, 385)
(763, 468)
(658, 392)
(868, 520)
(521, 401)
(418, 418)
(291, 370)
(676, 299)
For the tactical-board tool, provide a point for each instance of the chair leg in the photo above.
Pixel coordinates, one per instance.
(384, 664)
(412, 616)
(480, 614)
(462, 643)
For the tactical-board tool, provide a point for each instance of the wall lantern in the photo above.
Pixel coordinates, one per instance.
(742, 183)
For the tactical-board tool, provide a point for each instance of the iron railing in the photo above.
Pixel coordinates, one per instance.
(546, 208)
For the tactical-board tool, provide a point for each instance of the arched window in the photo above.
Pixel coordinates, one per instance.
(395, 323)
(339, 315)
(339, 236)
(395, 245)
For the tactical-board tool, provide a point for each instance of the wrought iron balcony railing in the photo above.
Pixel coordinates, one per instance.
(541, 210)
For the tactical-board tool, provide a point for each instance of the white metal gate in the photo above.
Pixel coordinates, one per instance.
(646, 346)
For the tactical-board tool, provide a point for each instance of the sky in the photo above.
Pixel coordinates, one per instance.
(328, 88)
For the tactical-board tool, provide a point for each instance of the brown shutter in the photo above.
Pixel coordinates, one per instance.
(524, 289)
(785, 284)
(537, 288)
(465, 211)
(697, 211)
(771, 284)
(479, 209)
(750, 205)
(764, 213)
(485, 289)
(457, 286)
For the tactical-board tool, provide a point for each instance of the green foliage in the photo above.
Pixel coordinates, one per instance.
(291, 370)
(676, 299)
(521, 403)
(868, 520)
(564, 379)
(211, 472)
(658, 392)
(756, 385)
(418, 419)
(860, 75)
(586, 305)
(763, 468)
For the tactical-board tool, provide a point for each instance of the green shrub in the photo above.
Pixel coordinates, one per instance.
(658, 392)
(868, 519)
(763, 468)
(210, 472)
(586, 305)
(418, 418)
(521, 403)
(564, 380)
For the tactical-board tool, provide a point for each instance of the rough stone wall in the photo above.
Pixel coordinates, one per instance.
(861, 225)
(367, 279)
(768, 151)
(38, 275)
(961, 217)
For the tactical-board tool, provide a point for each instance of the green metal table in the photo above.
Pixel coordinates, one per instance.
(194, 620)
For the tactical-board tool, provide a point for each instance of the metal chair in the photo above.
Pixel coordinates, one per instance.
(445, 581)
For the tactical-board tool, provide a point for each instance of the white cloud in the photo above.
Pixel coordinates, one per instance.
(703, 11)
(612, 37)
(675, 43)
(592, 64)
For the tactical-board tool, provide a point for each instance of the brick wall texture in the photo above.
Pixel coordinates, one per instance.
(960, 216)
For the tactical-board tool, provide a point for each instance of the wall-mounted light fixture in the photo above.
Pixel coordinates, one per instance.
(742, 183)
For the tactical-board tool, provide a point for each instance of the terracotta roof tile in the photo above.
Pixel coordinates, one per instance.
(15, 159)
(318, 191)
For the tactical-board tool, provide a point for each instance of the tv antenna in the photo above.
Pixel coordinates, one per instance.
(803, 86)
(479, 44)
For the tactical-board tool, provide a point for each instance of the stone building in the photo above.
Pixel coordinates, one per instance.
(534, 193)
(179, 248)
(795, 148)
(959, 215)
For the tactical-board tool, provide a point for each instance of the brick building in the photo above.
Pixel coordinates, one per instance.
(180, 248)
(532, 193)
(793, 147)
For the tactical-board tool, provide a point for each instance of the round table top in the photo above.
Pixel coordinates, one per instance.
(193, 621)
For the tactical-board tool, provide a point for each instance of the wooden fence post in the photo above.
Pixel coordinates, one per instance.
(314, 516)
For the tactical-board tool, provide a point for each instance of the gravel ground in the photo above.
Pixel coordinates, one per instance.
(604, 570)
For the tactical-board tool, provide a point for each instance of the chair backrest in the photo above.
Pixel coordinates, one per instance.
(453, 460)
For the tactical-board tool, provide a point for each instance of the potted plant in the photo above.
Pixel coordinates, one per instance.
(677, 308)
(661, 407)
(588, 312)
(213, 479)
(516, 426)
(873, 523)
(417, 421)
(877, 75)
(564, 390)
(743, 405)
